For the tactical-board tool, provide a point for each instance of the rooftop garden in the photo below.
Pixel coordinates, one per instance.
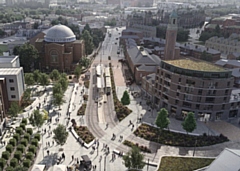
(195, 65)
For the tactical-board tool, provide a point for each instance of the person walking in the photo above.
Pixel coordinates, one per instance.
(72, 157)
(48, 152)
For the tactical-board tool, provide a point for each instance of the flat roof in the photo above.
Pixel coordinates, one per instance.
(7, 59)
(195, 65)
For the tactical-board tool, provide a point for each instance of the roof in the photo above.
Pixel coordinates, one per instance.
(223, 62)
(143, 67)
(139, 57)
(199, 48)
(38, 167)
(59, 168)
(195, 65)
(173, 14)
(227, 160)
(10, 71)
(7, 59)
(235, 72)
(59, 33)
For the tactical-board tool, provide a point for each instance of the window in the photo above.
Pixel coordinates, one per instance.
(54, 56)
(12, 88)
(11, 80)
(13, 96)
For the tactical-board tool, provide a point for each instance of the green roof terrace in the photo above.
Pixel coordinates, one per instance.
(195, 65)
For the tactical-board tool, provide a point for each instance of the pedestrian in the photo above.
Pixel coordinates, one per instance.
(132, 126)
(130, 122)
(63, 156)
(106, 125)
(49, 127)
(53, 143)
(49, 144)
(48, 152)
(72, 157)
(77, 161)
(45, 130)
(46, 144)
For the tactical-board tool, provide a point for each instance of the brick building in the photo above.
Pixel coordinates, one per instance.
(59, 49)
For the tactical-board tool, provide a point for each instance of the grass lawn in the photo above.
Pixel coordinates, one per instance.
(183, 163)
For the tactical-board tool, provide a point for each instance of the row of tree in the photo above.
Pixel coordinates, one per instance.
(189, 123)
(182, 34)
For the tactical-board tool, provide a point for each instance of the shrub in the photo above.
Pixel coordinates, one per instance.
(9, 148)
(27, 136)
(19, 130)
(23, 126)
(34, 142)
(21, 148)
(24, 142)
(30, 131)
(37, 136)
(18, 155)
(24, 121)
(29, 155)
(32, 149)
(5, 155)
(2, 162)
(27, 163)
(13, 142)
(9, 168)
(14, 162)
(17, 137)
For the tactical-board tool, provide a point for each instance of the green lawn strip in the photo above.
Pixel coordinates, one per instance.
(183, 163)
(177, 139)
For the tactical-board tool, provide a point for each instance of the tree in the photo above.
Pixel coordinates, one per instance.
(189, 123)
(134, 159)
(26, 95)
(44, 79)
(88, 42)
(28, 55)
(182, 35)
(36, 119)
(36, 76)
(85, 62)
(29, 79)
(77, 71)
(60, 134)
(57, 89)
(14, 109)
(58, 99)
(125, 100)
(64, 83)
(20, 168)
(162, 120)
(54, 75)
(16, 50)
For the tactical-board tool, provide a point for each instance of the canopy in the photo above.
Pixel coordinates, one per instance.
(59, 168)
(38, 167)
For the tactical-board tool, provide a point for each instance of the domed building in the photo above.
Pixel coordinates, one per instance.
(59, 49)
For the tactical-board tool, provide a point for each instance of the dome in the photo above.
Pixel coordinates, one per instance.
(60, 34)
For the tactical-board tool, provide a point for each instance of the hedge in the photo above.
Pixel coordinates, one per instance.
(14, 162)
(9, 168)
(27, 163)
(24, 142)
(23, 126)
(30, 131)
(32, 149)
(18, 155)
(9, 148)
(37, 136)
(27, 136)
(13, 142)
(30, 155)
(24, 121)
(2, 162)
(5, 155)
(34, 142)
(19, 130)
(21, 148)
(17, 137)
